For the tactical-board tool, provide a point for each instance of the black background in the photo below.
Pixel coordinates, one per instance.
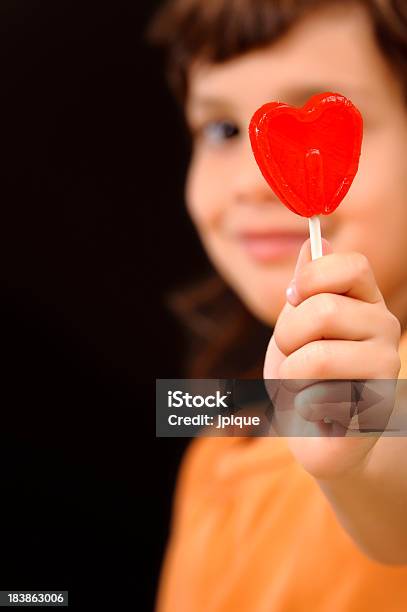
(93, 233)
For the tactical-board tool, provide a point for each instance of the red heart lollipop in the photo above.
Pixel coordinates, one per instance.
(309, 156)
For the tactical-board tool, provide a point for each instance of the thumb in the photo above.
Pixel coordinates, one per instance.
(305, 253)
(304, 257)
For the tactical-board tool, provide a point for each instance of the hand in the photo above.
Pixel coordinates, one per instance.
(334, 327)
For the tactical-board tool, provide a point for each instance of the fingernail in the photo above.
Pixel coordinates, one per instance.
(291, 293)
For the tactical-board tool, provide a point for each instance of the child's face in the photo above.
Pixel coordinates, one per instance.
(251, 238)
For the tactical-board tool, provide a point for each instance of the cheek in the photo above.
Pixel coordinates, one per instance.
(383, 163)
(373, 218)
(207, 190)
(201, 193)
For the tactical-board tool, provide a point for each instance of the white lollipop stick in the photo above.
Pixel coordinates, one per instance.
(315, 236)
(316, 251)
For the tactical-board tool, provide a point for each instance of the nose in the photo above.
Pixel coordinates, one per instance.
(250, 187)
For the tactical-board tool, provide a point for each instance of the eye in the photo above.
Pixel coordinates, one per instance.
(217, 132)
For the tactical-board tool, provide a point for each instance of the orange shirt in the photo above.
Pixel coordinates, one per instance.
(252, 532)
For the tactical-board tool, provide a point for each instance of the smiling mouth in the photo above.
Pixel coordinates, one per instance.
(271, 246)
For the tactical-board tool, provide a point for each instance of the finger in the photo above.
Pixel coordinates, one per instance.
(342, 273)
(290, 423)
(305, 257)
(333, 400)
(372, 400)
(273, 361)
(298, 385)
(339, 359)
(332, 316)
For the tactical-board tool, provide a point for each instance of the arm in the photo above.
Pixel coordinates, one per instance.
(371, 504)
(334, 326)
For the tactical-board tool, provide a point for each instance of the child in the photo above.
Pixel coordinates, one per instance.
(296, 524)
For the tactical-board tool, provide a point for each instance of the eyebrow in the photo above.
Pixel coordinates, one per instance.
(302, 94)
(296, 95)
(210, 103)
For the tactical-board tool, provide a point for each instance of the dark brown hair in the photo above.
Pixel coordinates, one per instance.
(228, 342)
(219, 30)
